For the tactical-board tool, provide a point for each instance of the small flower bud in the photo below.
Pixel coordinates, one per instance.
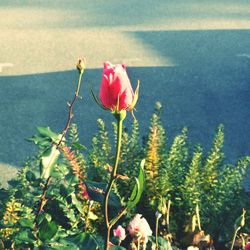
(158, 215)
(81, 65)
(120, 233)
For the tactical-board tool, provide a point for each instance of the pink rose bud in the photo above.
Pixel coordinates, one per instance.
(116, 92)
(120, 233)
(247, 247)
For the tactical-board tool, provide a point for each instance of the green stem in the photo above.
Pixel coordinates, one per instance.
(112, 178)
(233, 241)
(113, 221)
(156, 232)
(79, 83)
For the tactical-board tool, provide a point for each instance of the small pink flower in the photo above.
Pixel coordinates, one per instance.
(139, 226)
(120, 233)
(116, 85)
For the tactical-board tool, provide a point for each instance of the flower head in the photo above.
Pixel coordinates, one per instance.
(116, 92)
(81, 64)
(120, 233)
(139, 227)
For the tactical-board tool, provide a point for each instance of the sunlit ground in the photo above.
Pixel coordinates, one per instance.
(46, 36)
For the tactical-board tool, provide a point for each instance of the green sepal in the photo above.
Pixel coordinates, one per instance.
(120, 115)
(136, 96)
(98, 102)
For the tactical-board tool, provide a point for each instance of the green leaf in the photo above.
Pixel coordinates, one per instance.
(77, 203)
(138, 188)
(55, 208)
(240, 222)
(162, 244)
(84, 241)
(65, 191)
(77, 145)
(61, 245)
(48, 161)
(46, 132)
(30, 176)
(96, 191)
(24, 236)
(92, 216)
(47, 230)
(28, 223)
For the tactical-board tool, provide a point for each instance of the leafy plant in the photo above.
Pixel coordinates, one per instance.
(56, 200)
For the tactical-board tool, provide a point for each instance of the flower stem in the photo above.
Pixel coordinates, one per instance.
(64, 132)
(156, 232)
(234, 238)
(119, 117)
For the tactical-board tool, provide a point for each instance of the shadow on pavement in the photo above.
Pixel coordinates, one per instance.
(209, 85)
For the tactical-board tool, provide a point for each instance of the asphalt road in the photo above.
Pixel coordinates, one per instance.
(192, 56)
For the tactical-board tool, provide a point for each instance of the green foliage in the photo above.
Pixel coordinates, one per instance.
(155, 151)
(138, 188)
(68, 214)
(100, 154)
(130, 158)
(193, 182)
(187, 178)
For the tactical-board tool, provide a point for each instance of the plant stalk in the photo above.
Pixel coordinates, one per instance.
(112, 179)
(234, 238)
(156, 233)
(67, 126)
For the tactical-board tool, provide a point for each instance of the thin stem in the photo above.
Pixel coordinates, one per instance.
(233, 241)
(168, 215)
(70, 113)
(156, 232)
(118, 147)
(198, 216)
(43, 199)
(138, 243)
(112, 222)
(112, 180)
(79, 83)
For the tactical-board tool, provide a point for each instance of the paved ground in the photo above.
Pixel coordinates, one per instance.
(193, 56)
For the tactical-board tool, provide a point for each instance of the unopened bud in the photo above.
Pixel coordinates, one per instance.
(81, 65)
(158, 215)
